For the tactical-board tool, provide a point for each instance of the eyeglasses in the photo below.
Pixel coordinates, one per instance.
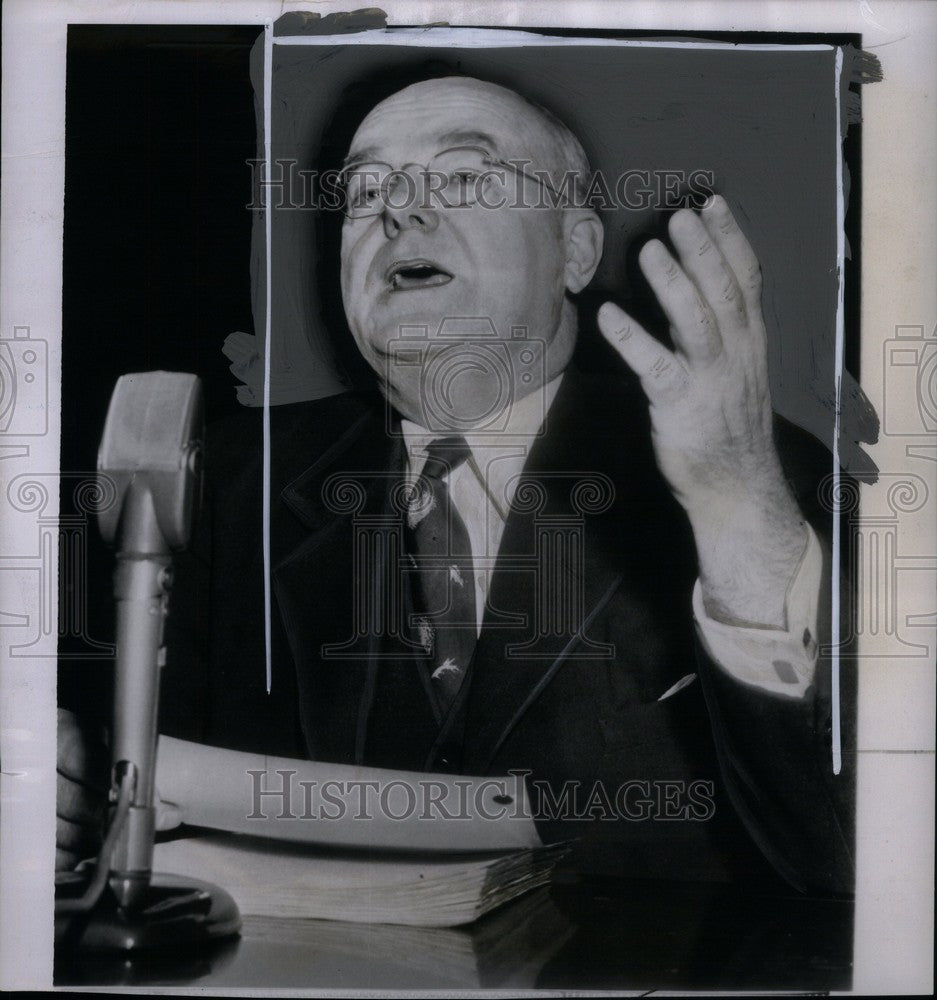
(455, 178)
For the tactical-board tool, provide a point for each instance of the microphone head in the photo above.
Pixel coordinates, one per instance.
(153, 438)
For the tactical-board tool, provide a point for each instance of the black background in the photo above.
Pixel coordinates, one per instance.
(159, 124)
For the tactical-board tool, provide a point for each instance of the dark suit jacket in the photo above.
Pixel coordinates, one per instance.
(572, 700)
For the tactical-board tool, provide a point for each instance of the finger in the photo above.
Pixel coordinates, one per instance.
(80, 756)
(75, 838)
(78, 803)
(76, 770)
(703, 261)
(660, 371)
(736, 250)
(697, 336)
(65, 861)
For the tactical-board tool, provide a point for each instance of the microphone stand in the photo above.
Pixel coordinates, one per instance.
(150, 450)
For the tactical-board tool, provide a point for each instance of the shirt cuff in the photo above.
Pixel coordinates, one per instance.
(775, 660)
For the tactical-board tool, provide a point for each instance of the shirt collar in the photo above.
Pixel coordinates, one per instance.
(500, 450)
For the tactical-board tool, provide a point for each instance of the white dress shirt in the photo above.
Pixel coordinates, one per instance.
(780, 661)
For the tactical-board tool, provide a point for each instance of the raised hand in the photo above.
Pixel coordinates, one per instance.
(711, 412)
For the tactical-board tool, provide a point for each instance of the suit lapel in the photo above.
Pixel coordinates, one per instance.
(560, 562)
(362, 695)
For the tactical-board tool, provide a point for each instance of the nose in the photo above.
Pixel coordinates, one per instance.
(405, 209)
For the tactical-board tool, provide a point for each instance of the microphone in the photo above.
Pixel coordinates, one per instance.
(150, 461)
(150, 453)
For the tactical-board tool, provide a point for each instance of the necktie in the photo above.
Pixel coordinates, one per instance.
(444, 580)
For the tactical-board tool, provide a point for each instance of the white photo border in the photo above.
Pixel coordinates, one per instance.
(894, 907)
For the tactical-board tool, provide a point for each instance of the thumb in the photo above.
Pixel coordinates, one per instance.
(660, 370)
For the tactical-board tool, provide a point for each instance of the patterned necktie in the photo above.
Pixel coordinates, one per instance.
(444, 580)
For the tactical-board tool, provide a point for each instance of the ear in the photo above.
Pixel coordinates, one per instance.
(584, 238)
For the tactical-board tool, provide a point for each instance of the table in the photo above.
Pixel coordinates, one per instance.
(622, 935)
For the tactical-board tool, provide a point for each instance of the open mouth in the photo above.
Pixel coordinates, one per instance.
(407, 274)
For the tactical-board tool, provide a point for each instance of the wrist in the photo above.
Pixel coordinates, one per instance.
(748, 554)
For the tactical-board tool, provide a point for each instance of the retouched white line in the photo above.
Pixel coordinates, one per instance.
(268, 229)
(836, 738)
(497, 39)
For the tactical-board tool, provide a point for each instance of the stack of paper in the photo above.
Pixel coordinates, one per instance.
(279, 879)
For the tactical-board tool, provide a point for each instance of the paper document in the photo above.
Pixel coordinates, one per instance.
(273, 879)
(342, 805)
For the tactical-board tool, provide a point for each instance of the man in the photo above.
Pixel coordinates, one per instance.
(512, 565)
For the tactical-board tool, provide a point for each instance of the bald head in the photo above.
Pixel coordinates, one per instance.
(536, 134)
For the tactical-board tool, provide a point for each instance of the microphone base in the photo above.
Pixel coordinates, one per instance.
(173, 912)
